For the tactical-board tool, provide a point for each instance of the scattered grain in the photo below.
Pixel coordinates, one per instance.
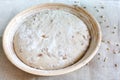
(102, 7)
(103, 41)
(72, 36)
(114, 52)
(86, 64)
(59, 32)
(64, 57)
(39, 55)
(84, 36)
(44, 36)
(107, 49)
(97, 10)
(76, 1)
(95, 7)
(119, 51)
(113, 32)
(98, 58)
(114, 27)
(117, 44)
(101, 16)
(105, 59)
(75, 5)
(99, 54)
(84, 7)
(82, 43)
(107, 26)
(115, 65)
(34, 19)
(108, 42)
(51, 20)
(37, 68)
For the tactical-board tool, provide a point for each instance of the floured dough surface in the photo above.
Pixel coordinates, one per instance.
(51, 39)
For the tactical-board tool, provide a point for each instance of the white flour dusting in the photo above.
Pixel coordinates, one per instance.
(51, 39)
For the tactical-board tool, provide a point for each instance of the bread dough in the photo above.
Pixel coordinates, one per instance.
(51, 39)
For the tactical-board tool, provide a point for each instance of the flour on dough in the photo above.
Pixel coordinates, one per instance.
(51, 39)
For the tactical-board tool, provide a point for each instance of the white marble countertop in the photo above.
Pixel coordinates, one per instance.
(104, 66)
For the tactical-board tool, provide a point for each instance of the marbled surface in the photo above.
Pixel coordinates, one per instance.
(104, 66)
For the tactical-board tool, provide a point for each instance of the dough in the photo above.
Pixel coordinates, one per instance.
(51, 39)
